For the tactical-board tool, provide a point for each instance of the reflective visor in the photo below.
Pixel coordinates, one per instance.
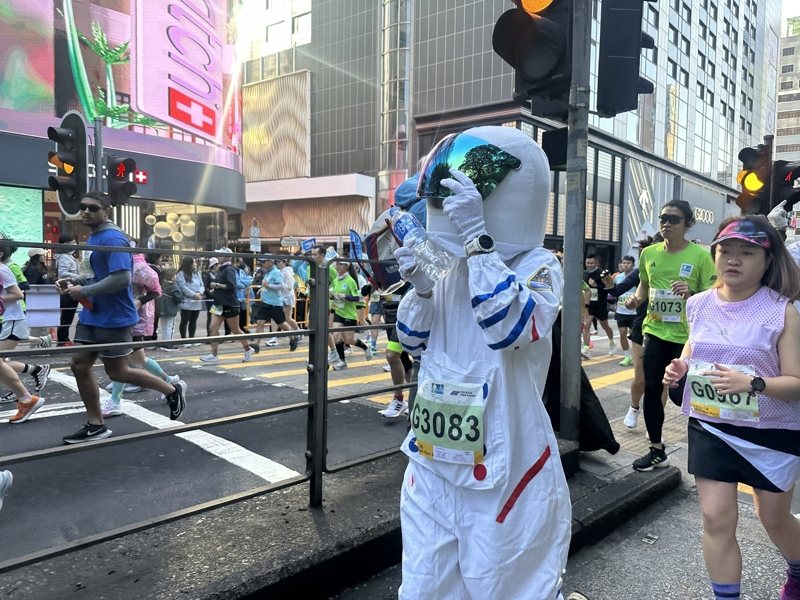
(484, 163)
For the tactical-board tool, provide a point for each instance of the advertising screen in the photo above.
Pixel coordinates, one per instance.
(166, 69)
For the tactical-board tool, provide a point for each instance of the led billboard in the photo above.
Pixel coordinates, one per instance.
(166, 69)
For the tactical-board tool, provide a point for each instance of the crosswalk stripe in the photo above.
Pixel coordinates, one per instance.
(243, 458)
(603, 381)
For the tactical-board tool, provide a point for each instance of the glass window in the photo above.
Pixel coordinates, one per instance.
(787, 51)
(787, 68)
(684, 78)
(685, 45)
(787, 85)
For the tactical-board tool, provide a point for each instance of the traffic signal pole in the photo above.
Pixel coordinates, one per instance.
(98, 154)
(574, 232)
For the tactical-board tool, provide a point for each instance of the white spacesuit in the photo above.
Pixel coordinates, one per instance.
(485, 507)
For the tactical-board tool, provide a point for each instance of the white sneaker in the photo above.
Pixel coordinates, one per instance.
(46, 341)
(338, 366)
(387, 368)
(168, 349)
(173, 379)
(209, 358)
(132, 389)
(585, 352)
(333, 357)
(6, 480)
(348, 350)
(612, 347)
(272, 342)
(632, 418)
(368, 352)
(248, 355)
(109, 408)
(110, 386)
(395, 409)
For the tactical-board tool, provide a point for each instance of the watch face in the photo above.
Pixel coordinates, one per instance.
(758, 384)
(486, 242)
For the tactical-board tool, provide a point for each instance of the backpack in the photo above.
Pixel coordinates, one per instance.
(380, 244)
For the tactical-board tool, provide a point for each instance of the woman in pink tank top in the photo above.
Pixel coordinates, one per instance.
(740, 376)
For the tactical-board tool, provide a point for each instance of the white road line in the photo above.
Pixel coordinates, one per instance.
(243, 458)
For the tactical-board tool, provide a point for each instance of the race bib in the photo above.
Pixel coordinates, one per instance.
(666, 306)
(216, 310)
(705, 400)
(592, 294)
(448, 421)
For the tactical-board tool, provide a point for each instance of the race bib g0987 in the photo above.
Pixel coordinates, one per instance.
(705, 400)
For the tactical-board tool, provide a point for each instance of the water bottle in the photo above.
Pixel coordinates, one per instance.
(434, 261)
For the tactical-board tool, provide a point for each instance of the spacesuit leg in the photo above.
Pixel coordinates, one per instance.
(430, 548)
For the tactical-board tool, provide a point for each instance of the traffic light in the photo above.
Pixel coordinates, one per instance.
(71, 160)
(119, 172)
(784, 176)
(621, 42)
(755, 179)
(535, 39)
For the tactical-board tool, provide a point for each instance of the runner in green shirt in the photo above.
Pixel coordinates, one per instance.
(345, 293)
(669, 272)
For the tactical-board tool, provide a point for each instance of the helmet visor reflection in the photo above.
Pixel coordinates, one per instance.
(484, 163)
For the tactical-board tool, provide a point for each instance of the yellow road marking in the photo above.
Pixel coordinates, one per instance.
(745, 489)
(599, 383)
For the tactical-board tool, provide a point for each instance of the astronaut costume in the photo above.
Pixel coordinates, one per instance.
(485, 507)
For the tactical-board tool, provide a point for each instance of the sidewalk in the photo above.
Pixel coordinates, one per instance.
(276, 546)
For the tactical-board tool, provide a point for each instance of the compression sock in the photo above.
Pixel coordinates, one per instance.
(154, 368)
(726, 591)
(340, 350)
(793, 569)
(361, 344)
(116, 392)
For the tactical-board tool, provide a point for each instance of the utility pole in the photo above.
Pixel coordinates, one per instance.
(98, 154)
(577, 144)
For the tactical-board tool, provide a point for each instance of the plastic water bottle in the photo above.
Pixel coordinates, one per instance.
(434, 260)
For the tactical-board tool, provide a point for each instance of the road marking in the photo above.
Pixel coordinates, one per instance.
(243, 458)
(599, 383)
(744, 488)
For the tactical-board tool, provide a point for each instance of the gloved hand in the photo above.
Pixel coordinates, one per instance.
(409, 269)
(778, 216)
(465, 207)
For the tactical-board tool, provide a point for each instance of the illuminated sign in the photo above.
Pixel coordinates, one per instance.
(179, 60)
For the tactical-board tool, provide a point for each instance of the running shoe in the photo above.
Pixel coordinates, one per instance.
(173, 379)
(333, 356)
(109, 408)
(631, 418)
(177, 400)
(654, 459)
(374, 346)
(348, 350)
(789, 590)
(88, 433)
(612, 347)
(133, 389)
(256, 347)
(40, 377)
(209, 358)
(626, 362)
(293, 343)
(248, 355)
(585, 352)
(8, 398)
(25, 410)
(387, 368)
(339, 365)
(368, 353)
(272, 342)
(6, 480)
(397, 407)
(168, 349)
(45, 341)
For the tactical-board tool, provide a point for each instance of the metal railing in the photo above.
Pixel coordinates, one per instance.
(316, 406)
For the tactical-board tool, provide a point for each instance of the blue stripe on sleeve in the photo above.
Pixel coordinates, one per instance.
(410, 332)
(495, 318)
(500, 287)
(521, 324)
(421, 346)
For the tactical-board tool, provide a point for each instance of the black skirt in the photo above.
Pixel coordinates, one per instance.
(711, 457)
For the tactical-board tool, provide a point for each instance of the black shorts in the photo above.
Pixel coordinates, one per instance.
(712, 458)
(343, 321)
(269, 312)
(228, 312)
(89, 334)
(635, 335)
(625, 320)
(599, 310)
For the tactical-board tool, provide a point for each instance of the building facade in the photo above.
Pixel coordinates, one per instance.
(787, 134)
(390, 78)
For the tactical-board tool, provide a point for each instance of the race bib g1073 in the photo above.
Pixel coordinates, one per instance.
(666, 306)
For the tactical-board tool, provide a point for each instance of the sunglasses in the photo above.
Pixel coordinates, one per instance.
(89, 207)
(671, 219)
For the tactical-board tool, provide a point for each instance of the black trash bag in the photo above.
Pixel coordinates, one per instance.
(594, 431)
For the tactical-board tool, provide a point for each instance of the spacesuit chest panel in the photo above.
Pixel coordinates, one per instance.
(458, 424)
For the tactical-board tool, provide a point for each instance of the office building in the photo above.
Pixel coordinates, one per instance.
(787, 134)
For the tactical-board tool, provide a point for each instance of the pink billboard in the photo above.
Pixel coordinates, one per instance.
(166, 69)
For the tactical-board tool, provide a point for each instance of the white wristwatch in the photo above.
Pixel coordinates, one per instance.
(483, 244)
